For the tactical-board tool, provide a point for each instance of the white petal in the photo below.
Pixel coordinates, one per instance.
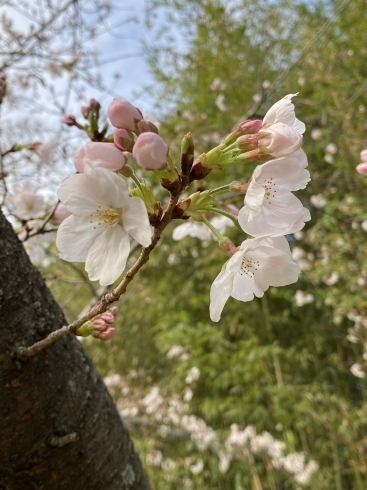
(181, 231)
(244, 288)
(74, 238)
(255, 197)
(299, 126)
(107, 257)
(284, 172)
(280, 270)
(281, 111)
(112, 189)
(220, 292)
(135, 221)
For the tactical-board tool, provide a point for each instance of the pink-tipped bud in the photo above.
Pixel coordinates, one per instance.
(362, 168)
(227, 246)
(113, 309)
(107, 316)
(124, 140)
(147, 127)
(364, 156)
(85, 110)
(237, 186)
(94, 104)
(150, 151)
(250, 126)
(106, 335)
(126, 171)
(245, 127)
(69, 120)
(60, 213)
(248, 142)
(123, 115)
(104, 155)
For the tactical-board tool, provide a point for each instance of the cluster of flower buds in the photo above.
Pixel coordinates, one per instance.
(362, 167)
(277, 135)
(100, 327)
(2, 86)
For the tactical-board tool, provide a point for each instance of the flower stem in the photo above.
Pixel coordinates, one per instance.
(224, 213)
(214, 230)
(136, 180)
(219, 190)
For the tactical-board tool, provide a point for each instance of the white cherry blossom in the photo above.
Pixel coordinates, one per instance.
(259, 263)
(104, 215)
(199, 230)
(270, 207)
(35, 245)
(283, 112)
(26, 204)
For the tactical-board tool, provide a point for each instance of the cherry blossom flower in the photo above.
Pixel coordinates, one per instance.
(104, 215)
(283, 112)
(46, 151)
(362, 167)
(199, 230)
(35, 245)
(318, 200)
(270, 207)
(25, 201)
(104, 155)
(259, 263)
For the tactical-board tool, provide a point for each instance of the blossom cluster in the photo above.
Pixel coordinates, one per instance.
(270, 210)
(101, 212)
(171, 417)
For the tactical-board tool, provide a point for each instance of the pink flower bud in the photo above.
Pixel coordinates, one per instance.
(237, 186)
(248, 142)
(250, 126)
(94, 104)
(106, 335)
(69, 120)
(104, 155)
(280, 140)
(228, 246)
(107, 316)
(147, 127)
(98, 325)
(124, 140)
(126, 171)
(61, 213)
(245, 127)
(150, 151)
(364, 156)
(362, 168)
(124, 115)
(85, 110)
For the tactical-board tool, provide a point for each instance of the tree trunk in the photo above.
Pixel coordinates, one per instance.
(59, 428)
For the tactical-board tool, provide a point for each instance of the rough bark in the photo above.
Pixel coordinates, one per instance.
(59, 428)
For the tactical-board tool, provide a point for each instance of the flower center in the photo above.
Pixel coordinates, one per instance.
(269, 188)
(248, 265)
(107, 217)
